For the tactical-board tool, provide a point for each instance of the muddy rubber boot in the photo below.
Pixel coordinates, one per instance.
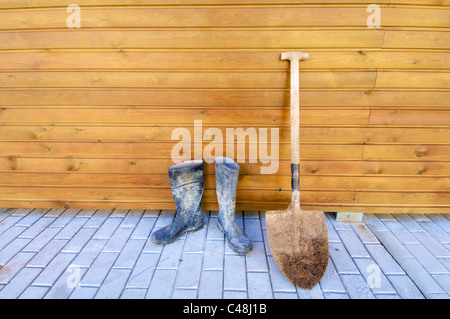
(227, 173)
(186, 181)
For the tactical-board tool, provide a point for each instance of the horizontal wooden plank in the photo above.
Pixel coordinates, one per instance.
(389, 199)
(225, 16)
(399, 116)
(168, 115)
(229, 80)
(412, 79)
(160, 166)
(221, 60)
(201, 38)
(85, 3)
(366, 135)
(223, 98)
(409, 152)
(164, 149)
(417, 39)
(250, 182)
(160, 195)
(187, 80)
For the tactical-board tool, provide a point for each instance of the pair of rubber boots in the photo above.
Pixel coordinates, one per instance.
(187, 181)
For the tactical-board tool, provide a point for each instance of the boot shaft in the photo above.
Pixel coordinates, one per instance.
(187, 183)
(227, 174)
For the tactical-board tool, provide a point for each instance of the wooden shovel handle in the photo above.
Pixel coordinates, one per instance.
(294, 58)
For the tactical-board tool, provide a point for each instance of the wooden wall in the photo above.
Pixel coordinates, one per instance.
(86, 114)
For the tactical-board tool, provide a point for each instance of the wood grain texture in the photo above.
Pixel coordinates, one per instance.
(86, 115)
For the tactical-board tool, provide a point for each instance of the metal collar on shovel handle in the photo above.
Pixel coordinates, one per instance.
(298, 238)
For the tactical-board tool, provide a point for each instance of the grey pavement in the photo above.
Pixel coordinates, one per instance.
(74, 253)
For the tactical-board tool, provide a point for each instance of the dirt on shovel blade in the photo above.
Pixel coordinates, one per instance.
(298, 246)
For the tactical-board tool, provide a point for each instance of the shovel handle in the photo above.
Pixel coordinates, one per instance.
(294, 58)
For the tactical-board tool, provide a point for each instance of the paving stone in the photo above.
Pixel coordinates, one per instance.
(420, 276)
(132, 218)
(99, 269)
(77, 242)
(46, 255)
(314, 293)
(113, 284)
(19, 283)
(401, 232)
(12, 249)
(330, 281)
(143, 271)
(188, 276)
(211, 284)
(42, 239)
(84, 293)
(432, 244)
(214, 255)
(256, 258)
(213, 232)
(69, 280)
(133, 293)
(118, 240)
(89, 253)
(259, 285)
(235, 295)
(342, 260)
(32, 217)
(10, 234)
(171, 254)
(356, 287)
(107, 228)
(353, 245)
(334, 295)
(65, 218)
(129, 254)
(252, 227)
(35, 229)
(384, 260)
(436, 231)
(13, 266)
(234, 273)
(54, 269)
(374, 277)
(143, 228)
(71, 228)
(195, 241)
(364, 233)
(285, 295)
(98, 218)
(184, 293)
(443, 281)
(405, 287)
(427, 260)
(409, 223)
(161, 285)
(34, 292)
(441, 221)
(279, 281)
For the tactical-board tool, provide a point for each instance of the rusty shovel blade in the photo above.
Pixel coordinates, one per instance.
(298, 241)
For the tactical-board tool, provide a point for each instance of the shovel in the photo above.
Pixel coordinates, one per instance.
(298, 238)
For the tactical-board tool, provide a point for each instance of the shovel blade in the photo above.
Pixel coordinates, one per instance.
(298, 241)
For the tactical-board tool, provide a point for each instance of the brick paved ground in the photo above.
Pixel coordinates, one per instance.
(76, 253)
